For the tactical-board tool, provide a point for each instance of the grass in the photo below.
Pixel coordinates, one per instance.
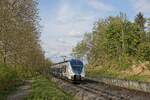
(102, 72)
(137, 78)
(44, 89)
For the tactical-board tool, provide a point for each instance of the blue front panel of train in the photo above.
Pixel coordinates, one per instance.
(76, 66)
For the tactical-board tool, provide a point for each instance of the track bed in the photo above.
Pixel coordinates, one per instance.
(94, 90)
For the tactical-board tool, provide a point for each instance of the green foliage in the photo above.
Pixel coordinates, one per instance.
(117, 42)
(7, 77)
(137, 78)
(44, 89)
(144, 51)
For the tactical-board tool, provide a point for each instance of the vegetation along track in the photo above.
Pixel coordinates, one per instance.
(94, 90)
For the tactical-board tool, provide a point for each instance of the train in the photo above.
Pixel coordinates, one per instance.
(72, 69)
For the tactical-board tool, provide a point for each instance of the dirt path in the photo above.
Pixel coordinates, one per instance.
(22, 92)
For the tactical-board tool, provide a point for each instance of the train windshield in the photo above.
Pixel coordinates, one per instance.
(77, 66)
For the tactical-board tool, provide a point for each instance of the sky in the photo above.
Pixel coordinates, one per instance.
(64, 22)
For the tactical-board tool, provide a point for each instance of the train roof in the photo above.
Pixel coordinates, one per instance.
(71, 60)
(61, 62)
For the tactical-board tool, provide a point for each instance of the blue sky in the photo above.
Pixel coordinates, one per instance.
(65, 21)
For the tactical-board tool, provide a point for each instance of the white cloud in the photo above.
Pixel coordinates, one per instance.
(57, 47)
(72, 22)
(61, 40)
(100, 6)
(74, 33)
(141, 5)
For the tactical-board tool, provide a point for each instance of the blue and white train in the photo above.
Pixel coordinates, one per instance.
(71, 69)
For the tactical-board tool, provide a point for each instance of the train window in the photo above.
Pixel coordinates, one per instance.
(77, 66)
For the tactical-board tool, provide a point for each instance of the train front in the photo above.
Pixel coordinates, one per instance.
(77, 69)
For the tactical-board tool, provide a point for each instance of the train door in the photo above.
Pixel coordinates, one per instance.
(64, 67)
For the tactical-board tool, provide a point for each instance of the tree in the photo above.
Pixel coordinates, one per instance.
(82, 47)
(140, 20)
(113, 39)
(19, 34)
(148, 29)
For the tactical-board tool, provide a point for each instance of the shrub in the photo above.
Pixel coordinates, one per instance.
(8, 77)
(144, 51)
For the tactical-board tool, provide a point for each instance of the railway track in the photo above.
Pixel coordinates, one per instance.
(119, 93)
(102, 94)
(93, 87)
(94, 90)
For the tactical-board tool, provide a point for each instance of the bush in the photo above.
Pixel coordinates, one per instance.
(8, 77)
(144, 51)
